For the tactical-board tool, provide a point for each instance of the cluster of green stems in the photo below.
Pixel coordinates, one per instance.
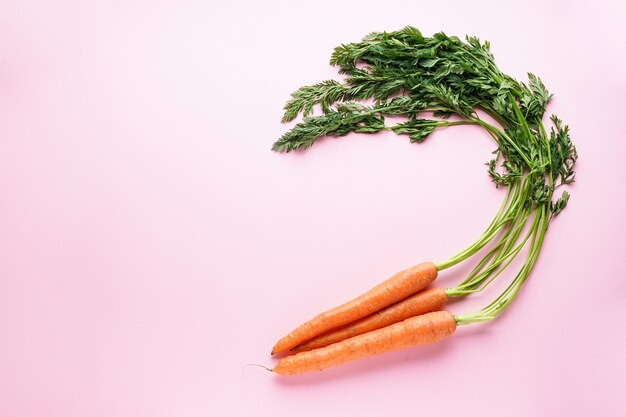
(518, 224)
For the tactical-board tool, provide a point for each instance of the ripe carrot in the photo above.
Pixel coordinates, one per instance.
(394, 289)
(419, 330)
(423, 302)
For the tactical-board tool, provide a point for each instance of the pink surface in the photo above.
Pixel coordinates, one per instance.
(151, 245)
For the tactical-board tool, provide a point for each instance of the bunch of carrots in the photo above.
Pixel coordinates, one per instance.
(407, 74)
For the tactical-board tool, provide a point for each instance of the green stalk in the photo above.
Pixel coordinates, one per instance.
(505, 214)
(491, 311)
(503, 253)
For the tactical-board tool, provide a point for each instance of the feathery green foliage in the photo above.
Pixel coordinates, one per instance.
(404, 73)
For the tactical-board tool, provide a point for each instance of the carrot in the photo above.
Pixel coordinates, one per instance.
(419, 330)
(396, 288)
(423, 302)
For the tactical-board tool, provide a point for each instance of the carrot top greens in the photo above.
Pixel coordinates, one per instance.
(404, 73)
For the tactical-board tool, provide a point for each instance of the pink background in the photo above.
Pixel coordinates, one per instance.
(151, 244)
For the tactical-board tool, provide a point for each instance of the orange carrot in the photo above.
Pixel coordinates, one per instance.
(396, 288)
(424, 301)
(419, 330)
